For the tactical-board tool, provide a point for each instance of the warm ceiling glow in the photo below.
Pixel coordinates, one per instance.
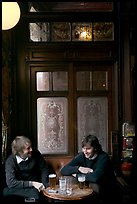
(10, 14)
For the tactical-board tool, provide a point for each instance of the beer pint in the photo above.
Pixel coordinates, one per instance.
(81, 179)
(52, 181)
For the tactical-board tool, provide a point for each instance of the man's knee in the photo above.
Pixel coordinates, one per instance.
(95, 187)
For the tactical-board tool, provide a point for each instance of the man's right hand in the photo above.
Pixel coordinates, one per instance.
(85, 170)
(39, 186)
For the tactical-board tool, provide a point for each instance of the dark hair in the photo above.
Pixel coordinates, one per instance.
(92, 141)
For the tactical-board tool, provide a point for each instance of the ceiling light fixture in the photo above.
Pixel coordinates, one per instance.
(10, 15)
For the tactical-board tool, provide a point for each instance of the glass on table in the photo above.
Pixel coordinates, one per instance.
(69, 186)
(81, 180)
(62, 184)
(52, 181)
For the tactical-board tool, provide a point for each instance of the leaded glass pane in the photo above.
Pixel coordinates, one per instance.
(52, 125)
(103, 31)
(66, 31)
(81, 31)
(42, 81)
(92, 118)
(100, 80)
(60, 31)
(86, 79)
(60, 81)
(39, 32)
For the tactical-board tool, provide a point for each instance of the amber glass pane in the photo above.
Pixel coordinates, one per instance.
(81, 31)
(84, 81)
(61, 31)
(52, 125)
(60, 81)
(103, 31)
(100, 80)
(65, 31)
(42, 81)
(39, 32)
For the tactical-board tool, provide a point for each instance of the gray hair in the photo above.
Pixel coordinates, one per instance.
(19, 143)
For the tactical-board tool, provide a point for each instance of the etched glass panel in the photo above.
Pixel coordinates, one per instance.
(60, 31)
(86, 79)
(103, 31)
(39, 32)
(81, 31)
(60, 81)
(92, 117)
(52, 125)
(42, 81)
(100, 80)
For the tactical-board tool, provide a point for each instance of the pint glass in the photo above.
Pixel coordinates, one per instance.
(52, 181)
(81, 180)
(62, 184)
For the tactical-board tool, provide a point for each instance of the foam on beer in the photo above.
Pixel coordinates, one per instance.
(52, 175)
(81, 179)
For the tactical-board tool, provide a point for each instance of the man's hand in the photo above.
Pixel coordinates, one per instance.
(85, 170)
(39, 186)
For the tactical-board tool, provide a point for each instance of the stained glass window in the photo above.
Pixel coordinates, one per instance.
(76, 31)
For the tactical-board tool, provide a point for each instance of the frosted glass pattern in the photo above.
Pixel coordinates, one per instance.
(52, 120)
(92, 114)
(86, 79)
(60, 81)
(39, 32)
(70, 31)
(42, 81)
(103, 31)
(61, 31)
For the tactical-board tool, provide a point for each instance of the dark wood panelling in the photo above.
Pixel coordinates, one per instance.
(75, 52)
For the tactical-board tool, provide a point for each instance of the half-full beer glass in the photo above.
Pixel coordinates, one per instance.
(81, 180)
(52, 181)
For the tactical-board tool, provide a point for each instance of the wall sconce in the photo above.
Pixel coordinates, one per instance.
(10, 15)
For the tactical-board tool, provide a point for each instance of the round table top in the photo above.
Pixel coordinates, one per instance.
(77, 193)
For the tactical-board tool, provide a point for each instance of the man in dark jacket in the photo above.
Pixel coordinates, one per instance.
(26, 170)
(97, 167)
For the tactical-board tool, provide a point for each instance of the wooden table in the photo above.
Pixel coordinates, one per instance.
(77, 193)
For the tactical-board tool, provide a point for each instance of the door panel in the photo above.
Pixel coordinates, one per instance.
(69, 101)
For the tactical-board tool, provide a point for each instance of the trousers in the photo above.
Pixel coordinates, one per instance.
(23, 192)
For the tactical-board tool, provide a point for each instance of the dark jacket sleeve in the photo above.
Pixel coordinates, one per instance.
(99, 169)
(102, 170)
(43, 169)
(73, 165)
(11, 170)
(38, 171)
